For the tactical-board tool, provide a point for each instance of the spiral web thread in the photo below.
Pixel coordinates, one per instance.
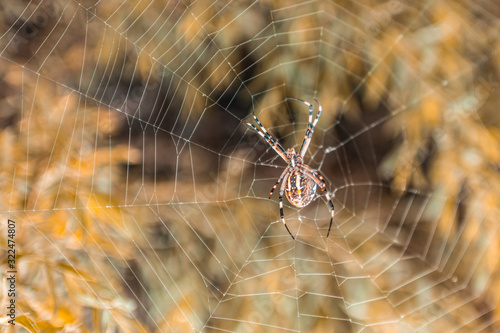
(132, 176)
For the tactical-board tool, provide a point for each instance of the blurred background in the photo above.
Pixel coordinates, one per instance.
(141, 200)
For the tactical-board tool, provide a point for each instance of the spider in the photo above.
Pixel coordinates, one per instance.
(298, 181)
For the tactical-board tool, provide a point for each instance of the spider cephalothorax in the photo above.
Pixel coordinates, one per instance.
(298, 181)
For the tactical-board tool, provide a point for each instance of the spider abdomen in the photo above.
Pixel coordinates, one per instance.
(300, 190)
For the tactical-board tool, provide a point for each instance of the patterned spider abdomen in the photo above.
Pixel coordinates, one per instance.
(300, 190)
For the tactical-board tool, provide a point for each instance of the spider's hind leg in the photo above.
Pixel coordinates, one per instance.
(320, 180)
(282, 190)
(283, 176)
(329, 198)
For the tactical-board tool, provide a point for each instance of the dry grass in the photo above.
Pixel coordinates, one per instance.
(141, 203)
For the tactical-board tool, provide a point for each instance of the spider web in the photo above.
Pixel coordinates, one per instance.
(141, 197)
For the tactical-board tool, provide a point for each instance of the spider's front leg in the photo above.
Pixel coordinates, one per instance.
(269, 139)
(310, 126)
(282, 190)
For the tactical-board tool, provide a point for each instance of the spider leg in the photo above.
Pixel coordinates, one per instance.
(327, 194)
(282, 190)
(310, 126)
(269, 139)
(283, 175)
(318, 179)
(320, 110)
(306, 103)
(262, 127)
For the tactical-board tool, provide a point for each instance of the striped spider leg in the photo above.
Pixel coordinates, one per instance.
(299, 181)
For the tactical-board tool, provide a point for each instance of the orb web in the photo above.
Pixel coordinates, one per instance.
(142, 199)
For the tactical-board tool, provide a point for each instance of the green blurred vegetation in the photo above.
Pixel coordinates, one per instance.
(410, 92)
